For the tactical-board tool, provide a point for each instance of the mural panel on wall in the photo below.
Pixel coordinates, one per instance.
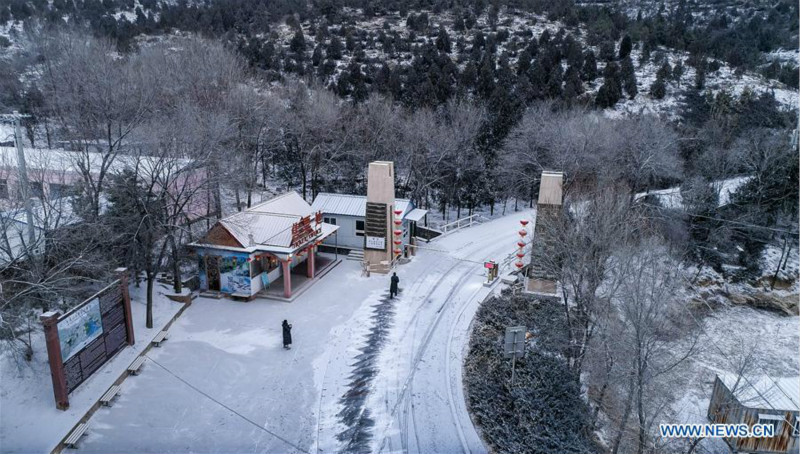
(235, 274)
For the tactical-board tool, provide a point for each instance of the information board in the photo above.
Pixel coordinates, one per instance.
(91, 334)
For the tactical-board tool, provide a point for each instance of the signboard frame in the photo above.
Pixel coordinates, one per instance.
(376, 225)
(80, 341)
(514, 342)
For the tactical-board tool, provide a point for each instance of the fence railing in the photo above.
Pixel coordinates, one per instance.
(459, 223)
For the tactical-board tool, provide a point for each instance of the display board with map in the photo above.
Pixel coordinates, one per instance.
(92, 333)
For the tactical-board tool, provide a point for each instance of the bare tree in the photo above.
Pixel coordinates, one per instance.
(652, 317)
(97, 98)
(580, 253)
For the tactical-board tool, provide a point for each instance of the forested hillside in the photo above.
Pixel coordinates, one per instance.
(470, 99)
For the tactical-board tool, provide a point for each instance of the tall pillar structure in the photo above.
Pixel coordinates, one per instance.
(542, 280)
(378, 250)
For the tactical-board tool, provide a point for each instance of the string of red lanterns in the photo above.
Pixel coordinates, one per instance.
(398, 232)
(521, 243)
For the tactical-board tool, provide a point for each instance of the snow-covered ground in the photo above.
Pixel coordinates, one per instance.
(29, 420)
(728, 335)
(223, 382)
(672, 198)
(734, 337)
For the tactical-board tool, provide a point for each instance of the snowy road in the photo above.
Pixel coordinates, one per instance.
(416, 400)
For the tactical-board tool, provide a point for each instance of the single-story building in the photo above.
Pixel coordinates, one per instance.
(763, 400)
(255, 251)
(348, 212)
(55, 173)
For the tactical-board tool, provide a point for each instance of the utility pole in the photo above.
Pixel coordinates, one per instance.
(16, 119)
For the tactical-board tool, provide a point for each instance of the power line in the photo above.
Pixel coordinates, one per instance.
(744, 224)
(228, 408)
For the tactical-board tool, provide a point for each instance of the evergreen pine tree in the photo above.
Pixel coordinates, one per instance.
(523, 88)
(645, 56)
(625, 47)
(700, 74)
(443, 40)
(607, 51)
(677, 71)
(359, 86)
(629, 77)
(469, 76)
(349, 40)
(554, 82)
(573, 86)
(544, 38)
(334, 50)
(523, 62)
(316, 57)
(611, 91)
(538, 79)
(658, 89)
(458, 24)
(486, 83)
(298, 42)
(589, 70)
(665, 71)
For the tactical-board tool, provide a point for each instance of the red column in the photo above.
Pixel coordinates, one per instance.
(287, 278)
(126, 303)
(50, 322)
(312, 265)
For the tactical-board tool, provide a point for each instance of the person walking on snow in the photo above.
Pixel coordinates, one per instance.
(393, 285)
(287, 335)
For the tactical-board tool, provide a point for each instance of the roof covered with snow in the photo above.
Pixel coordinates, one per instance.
(270, 223)
(778, 393)
(267, 229)
(59, 160)
(350, 205)
(288, 203)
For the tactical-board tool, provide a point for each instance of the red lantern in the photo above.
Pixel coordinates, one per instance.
(519, 264)
(524, 222)
(520, 254)
(398, 232)
(520, 244)
(523, 232)
(398, 212)
(398, 242)
(398, 221)
(397, 251)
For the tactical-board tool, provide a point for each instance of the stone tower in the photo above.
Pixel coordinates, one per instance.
(378, 250)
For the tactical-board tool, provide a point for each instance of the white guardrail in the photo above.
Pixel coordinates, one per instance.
(458, 224)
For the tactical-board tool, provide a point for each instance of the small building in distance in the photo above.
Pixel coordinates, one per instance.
(267, 250)
(764, 400)
(56, 173)
(348, 212)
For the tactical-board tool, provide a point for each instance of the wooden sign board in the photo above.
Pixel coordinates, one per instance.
(92, 333)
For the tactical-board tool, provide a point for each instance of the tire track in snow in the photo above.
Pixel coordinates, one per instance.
(405, 393)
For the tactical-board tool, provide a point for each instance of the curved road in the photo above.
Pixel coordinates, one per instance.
(415, 402)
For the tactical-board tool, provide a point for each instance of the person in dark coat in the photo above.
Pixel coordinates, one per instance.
(393, 285)
(287, 335)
